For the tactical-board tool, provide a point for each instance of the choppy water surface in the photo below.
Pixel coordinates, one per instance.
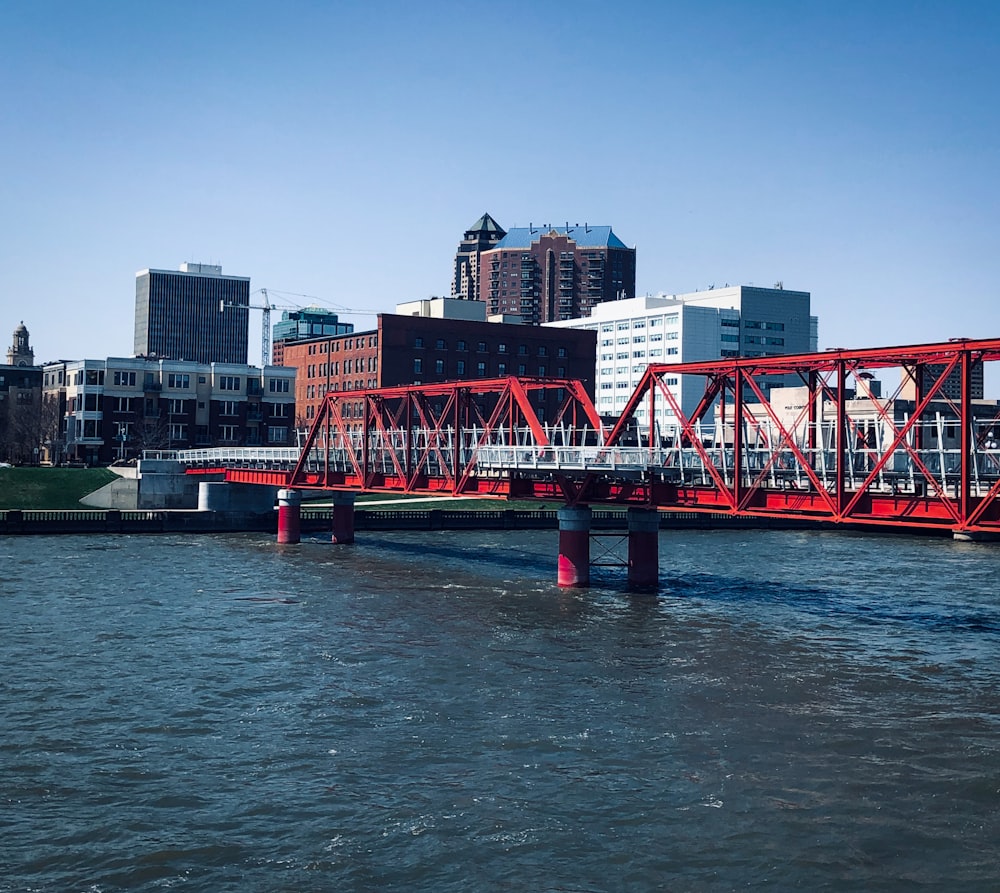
(429, 712)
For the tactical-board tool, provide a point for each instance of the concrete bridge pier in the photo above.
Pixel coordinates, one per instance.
(289, 521)
(343, 517)
(574, 546)
(643, 548)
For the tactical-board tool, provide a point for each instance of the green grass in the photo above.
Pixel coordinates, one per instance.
(49, 489)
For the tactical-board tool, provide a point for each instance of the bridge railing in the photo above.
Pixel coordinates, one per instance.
(766, 460)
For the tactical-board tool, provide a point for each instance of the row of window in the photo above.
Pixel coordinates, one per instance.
(440, 368)
(182, 381)
(358, 343)
(90, 403)
(178, 431)
(351, 366)
(481, 347)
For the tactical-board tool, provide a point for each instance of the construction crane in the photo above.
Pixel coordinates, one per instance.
(265, 334)
(267, 307)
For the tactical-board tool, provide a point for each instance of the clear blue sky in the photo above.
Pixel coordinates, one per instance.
(340, 149)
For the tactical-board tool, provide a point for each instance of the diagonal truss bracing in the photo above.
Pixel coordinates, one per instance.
(888, 436)
(429, 438)
(924, 453)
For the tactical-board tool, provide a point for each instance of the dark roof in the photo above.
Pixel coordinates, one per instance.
(486, 224)
(584, 236)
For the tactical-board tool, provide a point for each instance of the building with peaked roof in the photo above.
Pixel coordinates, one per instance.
(550, 273)
(480, 237)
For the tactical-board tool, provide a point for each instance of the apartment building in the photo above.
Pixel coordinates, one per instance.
(117, 407)
(545, 274)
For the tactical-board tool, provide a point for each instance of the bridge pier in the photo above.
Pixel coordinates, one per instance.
(343, 517)
(289, 509)
(574, 546)
(643, 548)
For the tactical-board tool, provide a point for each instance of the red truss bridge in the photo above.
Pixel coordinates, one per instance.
(809, 436)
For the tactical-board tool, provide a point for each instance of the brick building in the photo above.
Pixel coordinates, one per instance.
(553, 273)
(406, 350)
(480, 237)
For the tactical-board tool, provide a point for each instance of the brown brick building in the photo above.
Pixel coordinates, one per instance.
(406, 350)
(546, 274)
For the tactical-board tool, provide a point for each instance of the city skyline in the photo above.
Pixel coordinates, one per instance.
(849, 153)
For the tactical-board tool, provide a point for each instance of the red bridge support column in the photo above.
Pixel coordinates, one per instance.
(289, 507)
(574, 546)
(343, 518)
(643, 548)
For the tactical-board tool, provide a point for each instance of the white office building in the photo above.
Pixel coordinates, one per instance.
(737, 321)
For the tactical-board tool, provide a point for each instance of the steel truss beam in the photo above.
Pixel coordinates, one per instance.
(426, 438)
(907, 478)
(930, 461)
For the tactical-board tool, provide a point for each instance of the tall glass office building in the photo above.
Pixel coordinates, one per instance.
(194, 313)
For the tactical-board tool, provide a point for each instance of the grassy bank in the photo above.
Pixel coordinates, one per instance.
(41, 489)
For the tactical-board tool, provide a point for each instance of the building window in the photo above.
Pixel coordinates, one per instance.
(227, 432)
(481, 370)
(278, 385)
(481, 347)
(125, 379)
(460, 367)
(178, 432)
(461, 345)
(279, 410)
(501, 348)
(178, 380)
(501, 369)
(277, 434)
(439, 367)
(561, 353)
(228, 407)
(228, 382)
(418, 342)
(439, 344)
(176, 407)
(418, 366)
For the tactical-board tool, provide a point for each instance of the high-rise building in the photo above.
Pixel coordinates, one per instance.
(546, 274)
(738, 321)
(480, 237)
(195, 313)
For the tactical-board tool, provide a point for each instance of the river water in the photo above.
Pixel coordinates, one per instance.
(429, 711)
